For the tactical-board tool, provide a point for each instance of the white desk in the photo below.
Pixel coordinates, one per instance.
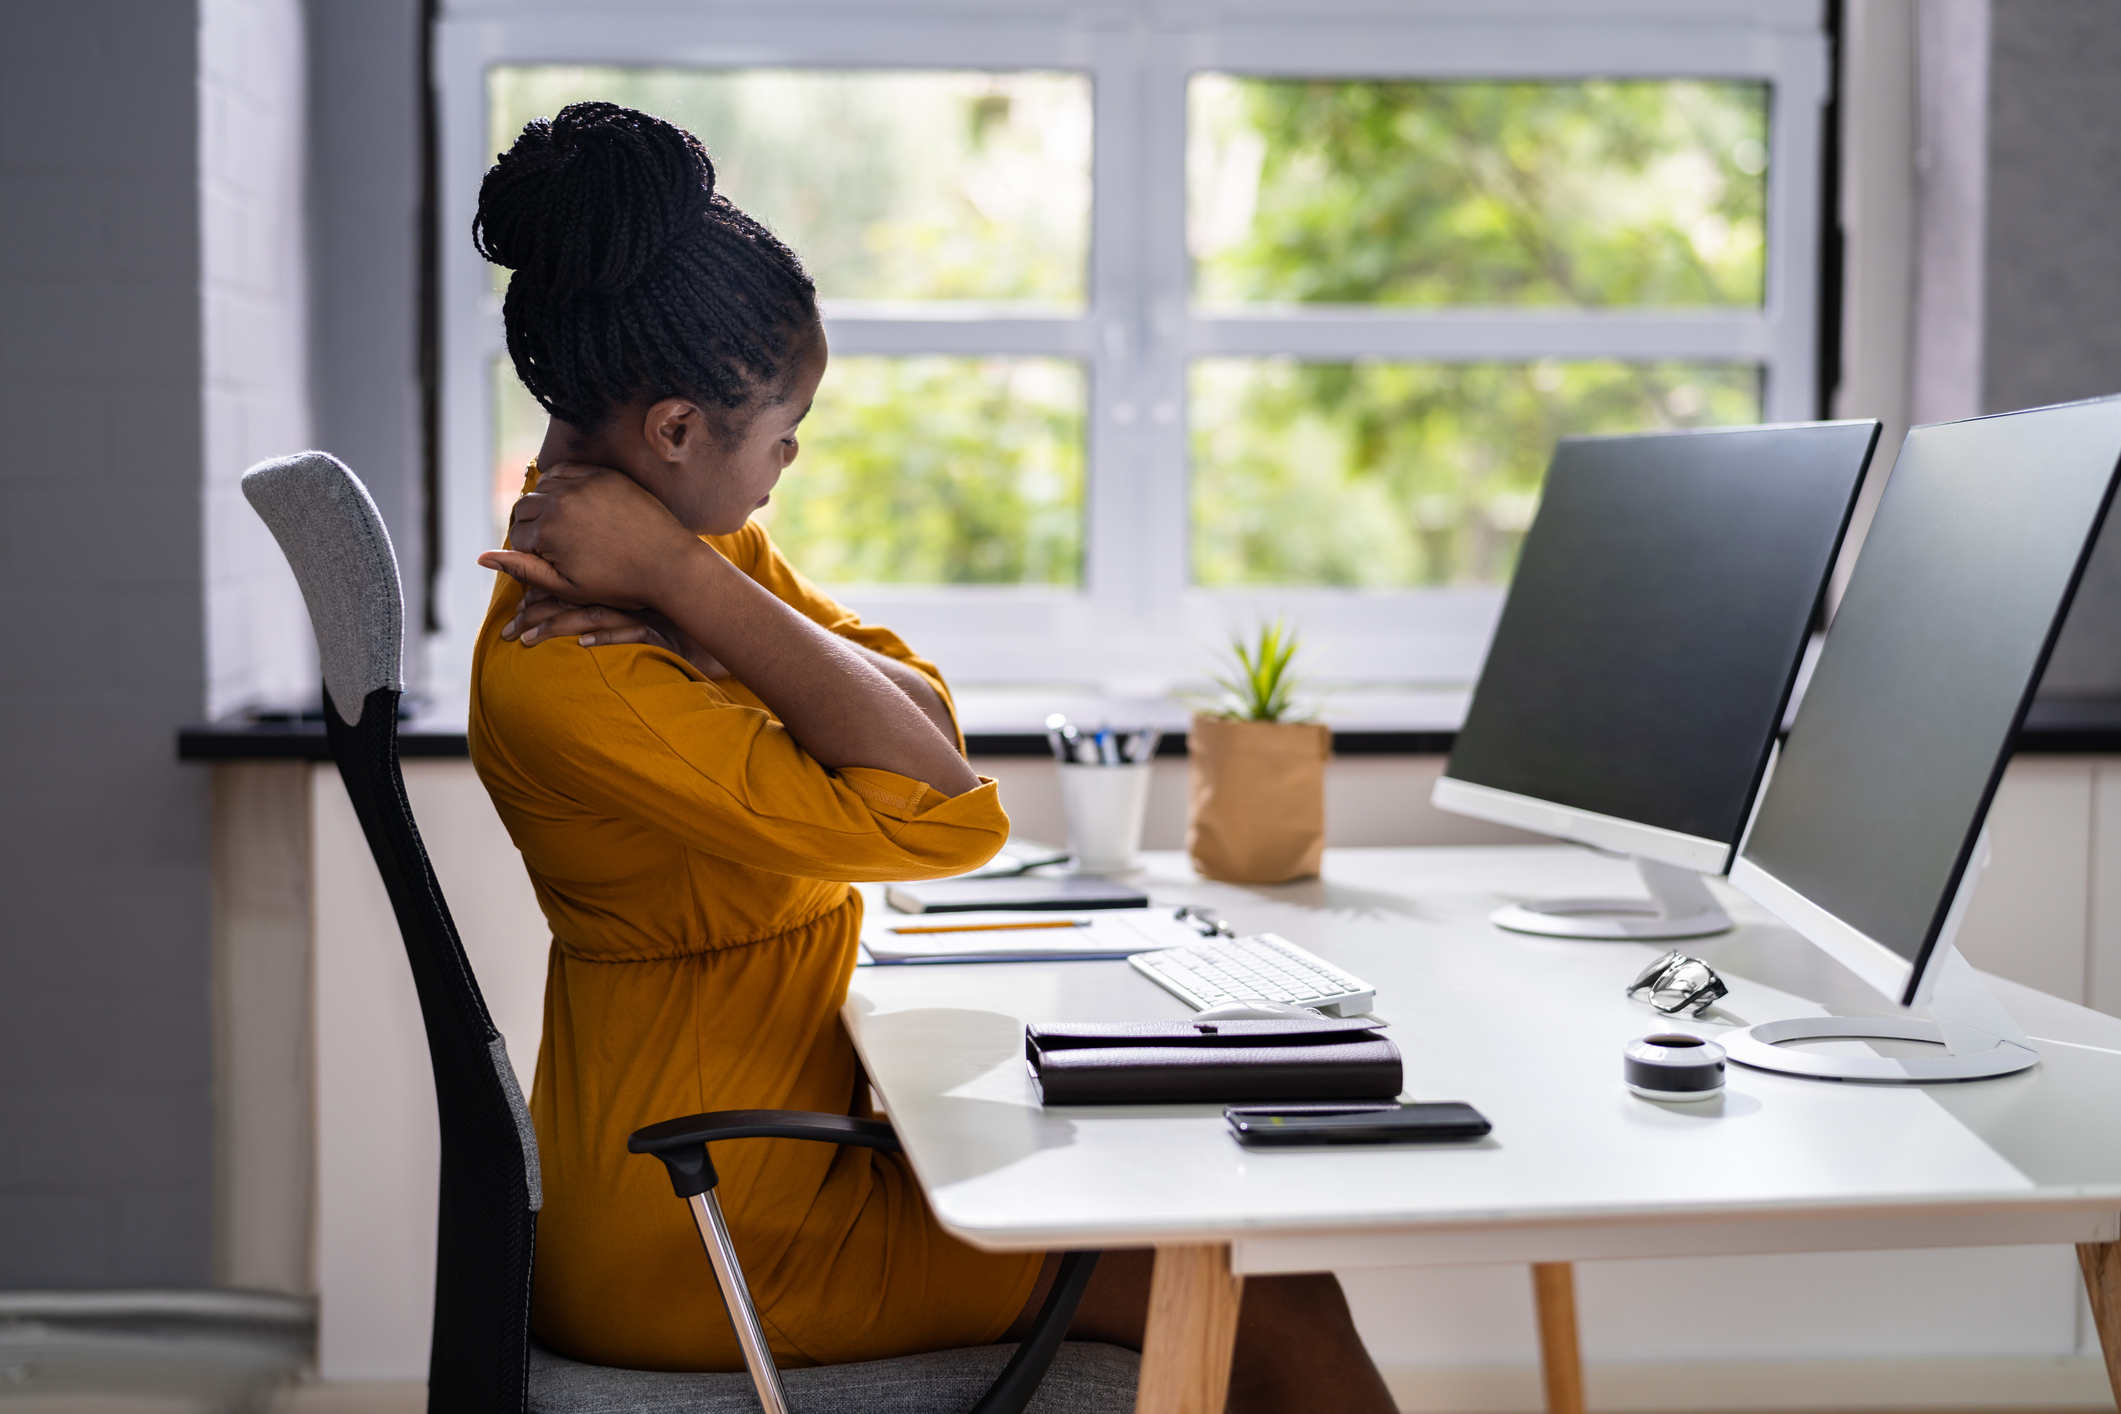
(1530, 1031)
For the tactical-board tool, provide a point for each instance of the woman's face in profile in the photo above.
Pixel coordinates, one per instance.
(719, 481)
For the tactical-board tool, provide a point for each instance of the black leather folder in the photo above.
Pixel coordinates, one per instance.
(1075, 1063)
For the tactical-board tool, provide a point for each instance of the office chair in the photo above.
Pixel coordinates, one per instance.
(483, 1359)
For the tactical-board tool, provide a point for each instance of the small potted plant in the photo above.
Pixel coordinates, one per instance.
(1258, 769)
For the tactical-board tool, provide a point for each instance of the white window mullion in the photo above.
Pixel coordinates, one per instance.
(1166, 296)
(1510, 335)
(1067, 338)
(1794, 135)
(471, 334)
(1121, 542)
(1693, 39)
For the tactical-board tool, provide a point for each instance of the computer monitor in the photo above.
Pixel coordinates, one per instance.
(1869, 837)
(1638, 676)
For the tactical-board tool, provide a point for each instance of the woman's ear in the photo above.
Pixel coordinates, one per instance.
(673, 429)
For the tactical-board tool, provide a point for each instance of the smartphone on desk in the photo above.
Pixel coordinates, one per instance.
(1291, 1126)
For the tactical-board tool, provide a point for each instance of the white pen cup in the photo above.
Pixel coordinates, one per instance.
(1105, 806)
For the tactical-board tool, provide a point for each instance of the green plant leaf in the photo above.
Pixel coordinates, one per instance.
(1262, 685)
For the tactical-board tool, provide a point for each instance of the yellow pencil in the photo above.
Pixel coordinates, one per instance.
(989, 927)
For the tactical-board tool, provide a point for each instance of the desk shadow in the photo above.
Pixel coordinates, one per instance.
(1776, 956)
(1720, 1015)
(1351, 900)
(956, 1137)
(950, 1045)
(1730, 1104)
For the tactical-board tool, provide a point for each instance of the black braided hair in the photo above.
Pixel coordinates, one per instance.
(632, 276)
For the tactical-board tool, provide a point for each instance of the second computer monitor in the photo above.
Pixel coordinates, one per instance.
(1652, 633)
(1870, 826)
(1869, 839)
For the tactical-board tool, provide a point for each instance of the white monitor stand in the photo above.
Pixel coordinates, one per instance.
(1679, 906)
(1979, 1038)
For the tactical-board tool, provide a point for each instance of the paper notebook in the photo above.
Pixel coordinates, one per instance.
(1003, 937)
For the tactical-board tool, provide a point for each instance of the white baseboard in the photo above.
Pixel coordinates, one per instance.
(352, 1397)
(308, 1398)
(1698, 1387)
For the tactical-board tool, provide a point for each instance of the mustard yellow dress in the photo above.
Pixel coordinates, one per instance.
(694, 865)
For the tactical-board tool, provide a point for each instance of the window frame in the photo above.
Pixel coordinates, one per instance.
(1138, 626)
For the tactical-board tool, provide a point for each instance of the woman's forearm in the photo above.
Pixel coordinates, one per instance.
(916, 687)
(842, 707)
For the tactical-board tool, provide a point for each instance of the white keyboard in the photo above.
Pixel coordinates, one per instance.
(1259, 968)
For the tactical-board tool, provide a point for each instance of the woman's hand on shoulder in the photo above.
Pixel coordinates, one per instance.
(542, 616)
(591, 535)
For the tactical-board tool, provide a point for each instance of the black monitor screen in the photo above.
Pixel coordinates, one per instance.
(1661, 605)
(1932, 658)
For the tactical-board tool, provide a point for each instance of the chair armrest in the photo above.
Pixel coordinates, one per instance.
(682, 1143)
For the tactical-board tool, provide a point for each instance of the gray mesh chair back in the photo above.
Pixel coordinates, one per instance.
(340, 552)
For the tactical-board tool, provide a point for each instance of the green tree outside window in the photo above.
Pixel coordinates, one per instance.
(1585, 195)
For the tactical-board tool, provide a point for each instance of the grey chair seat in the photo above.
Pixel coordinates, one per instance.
(1085, 1378)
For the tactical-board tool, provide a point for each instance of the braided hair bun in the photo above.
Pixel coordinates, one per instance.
(583, 203)
(633, 278)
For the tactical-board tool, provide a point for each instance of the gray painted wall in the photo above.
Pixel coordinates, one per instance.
(105, 1033)
(2052, 306)
(2054, 214)
(104, 1041)
(365, 208)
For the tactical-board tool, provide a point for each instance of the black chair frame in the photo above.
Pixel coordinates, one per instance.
(487, 1224)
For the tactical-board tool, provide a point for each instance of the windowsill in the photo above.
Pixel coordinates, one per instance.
(1008, 722)
(1007, 708)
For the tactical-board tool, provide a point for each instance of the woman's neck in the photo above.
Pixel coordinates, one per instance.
(564, 442)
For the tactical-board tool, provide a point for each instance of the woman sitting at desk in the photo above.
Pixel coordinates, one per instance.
(696, 751)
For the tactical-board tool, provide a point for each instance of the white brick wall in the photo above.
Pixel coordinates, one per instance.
(253, 288)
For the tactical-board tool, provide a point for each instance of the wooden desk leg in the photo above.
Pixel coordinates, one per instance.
(1554, 1287)
(1193, 1300)
(2101, 1262)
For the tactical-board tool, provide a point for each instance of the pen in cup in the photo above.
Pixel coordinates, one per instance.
(1072, 746)
(1065, 740)
(1104, 807)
